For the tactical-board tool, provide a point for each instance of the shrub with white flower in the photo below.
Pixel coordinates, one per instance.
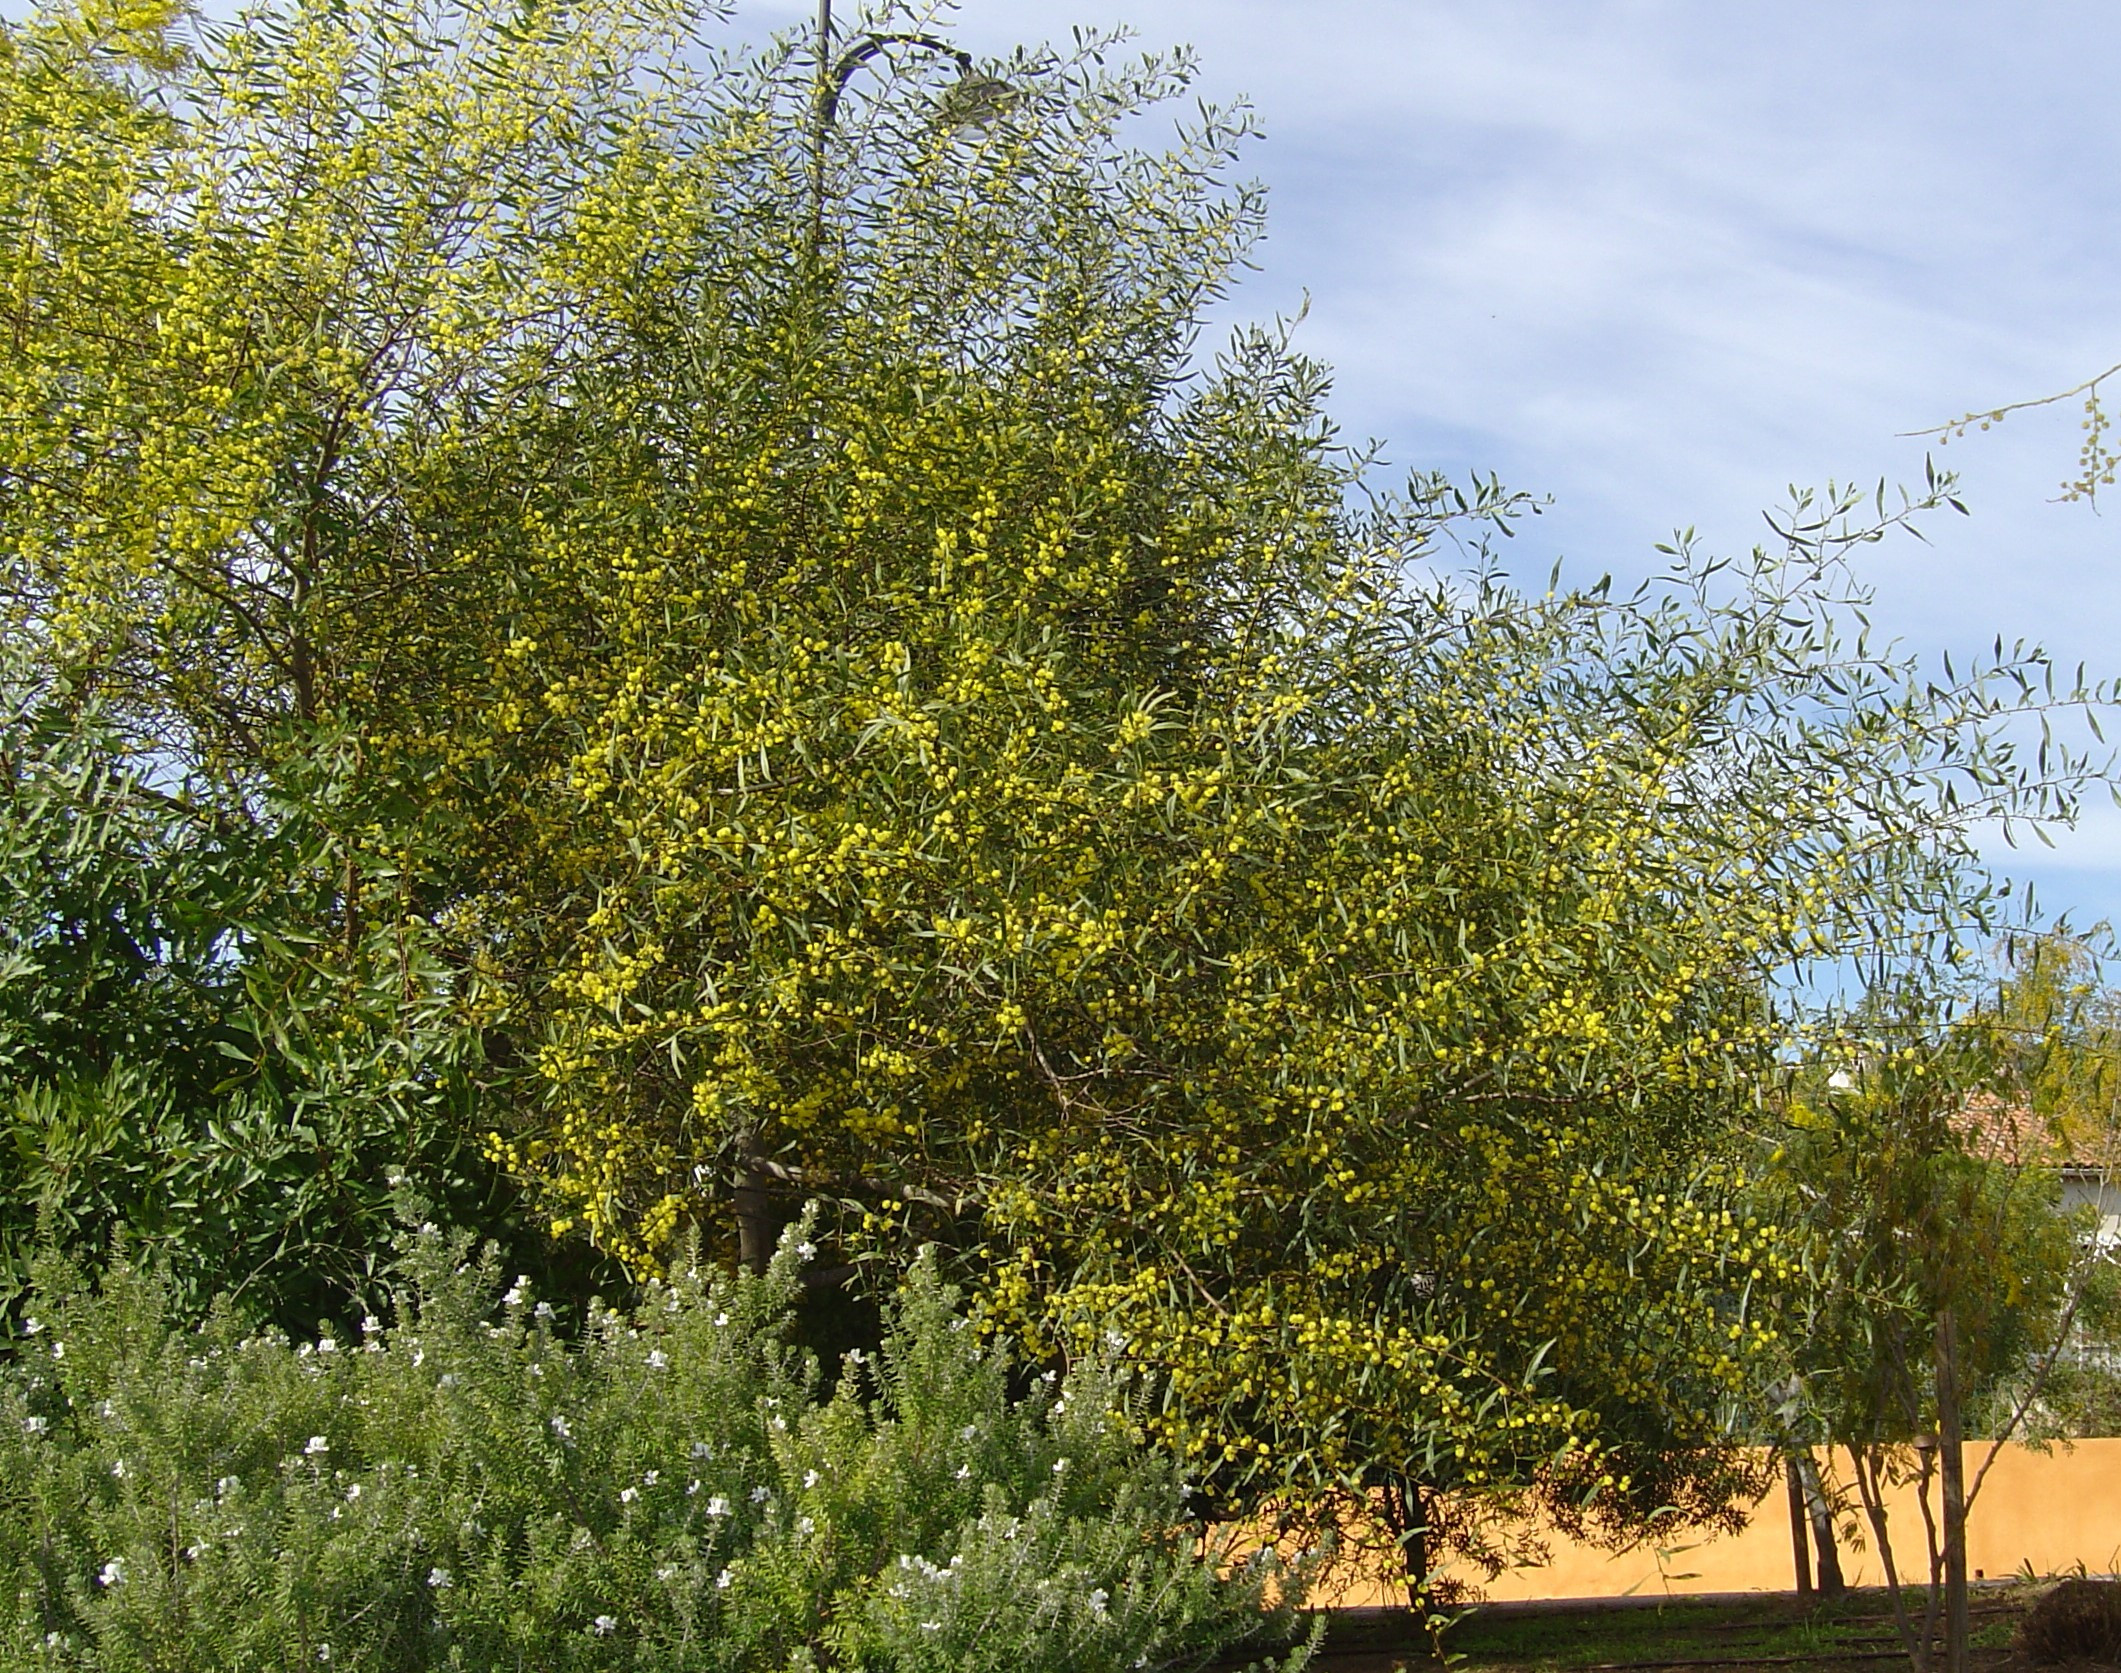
(407, 1506)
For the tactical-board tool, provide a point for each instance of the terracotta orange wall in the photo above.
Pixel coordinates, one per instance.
(2051, 1510)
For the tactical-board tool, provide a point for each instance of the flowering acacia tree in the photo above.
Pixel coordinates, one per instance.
(902, 728)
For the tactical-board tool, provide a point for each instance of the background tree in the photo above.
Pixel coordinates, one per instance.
(1920, 1168)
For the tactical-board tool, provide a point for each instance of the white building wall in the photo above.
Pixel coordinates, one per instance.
(2085, 1187)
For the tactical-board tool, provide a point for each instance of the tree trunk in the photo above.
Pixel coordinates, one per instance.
(1831, 1583)
(1800, 1549)
(1870, 1488)
(755, 1228)
(1406, 1508)
(1951, 1448)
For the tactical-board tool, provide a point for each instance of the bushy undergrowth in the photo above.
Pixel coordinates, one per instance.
(2080, 1620)
(462, 1488)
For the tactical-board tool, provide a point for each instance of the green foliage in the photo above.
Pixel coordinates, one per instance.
(462, 1488)
(2056, 1023)
(189, 1053)
(827, 691)
(1916, 1168)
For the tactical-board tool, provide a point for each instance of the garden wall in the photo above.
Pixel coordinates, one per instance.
(2052, 1510)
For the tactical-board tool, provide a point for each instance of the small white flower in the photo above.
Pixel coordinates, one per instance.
(809, 1478)
(969, 1430)
(657, 1359)
(419, 1358)
(931, 1626)
(720, 1319)
(1098, 1600)
(323, 1652)
(721, 1581)
(803, 1251)
(964, 1472)
(353, 1492)
(317, 1444)
(651, 1478)
(718, 1506)
(225, 1486)
(113, 1573)
(448, 1379)
(804, 1525)
(105, 1409)
(628, 1494)
(667, 1573)
(759, 1495)
(514, 1298)
(119, 1470)
(604, 1625)
(370, 1324)
(1059, 1464)
(543, 1310)
(700, 1449)
(32, 1327)
(440, 1579)
(34, 1426)
(559, 1428)
(327, 1345)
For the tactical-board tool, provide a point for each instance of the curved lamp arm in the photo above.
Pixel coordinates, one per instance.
(834, 82)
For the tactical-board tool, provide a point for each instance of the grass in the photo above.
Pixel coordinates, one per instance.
(1854, 1632)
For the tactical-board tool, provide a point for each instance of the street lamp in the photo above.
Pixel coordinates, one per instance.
(977, 96)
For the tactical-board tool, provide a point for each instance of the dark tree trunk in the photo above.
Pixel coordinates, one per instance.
(755, 1224)
(1831, 1584)
(1800, 1547)
(1951, 1460)
(1406, 1506)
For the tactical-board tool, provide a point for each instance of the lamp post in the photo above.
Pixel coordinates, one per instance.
(833, 74)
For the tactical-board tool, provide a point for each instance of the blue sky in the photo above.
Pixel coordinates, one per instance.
(1661, 260)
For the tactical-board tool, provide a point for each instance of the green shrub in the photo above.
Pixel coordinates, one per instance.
(463, 1488)
(216, 1038)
